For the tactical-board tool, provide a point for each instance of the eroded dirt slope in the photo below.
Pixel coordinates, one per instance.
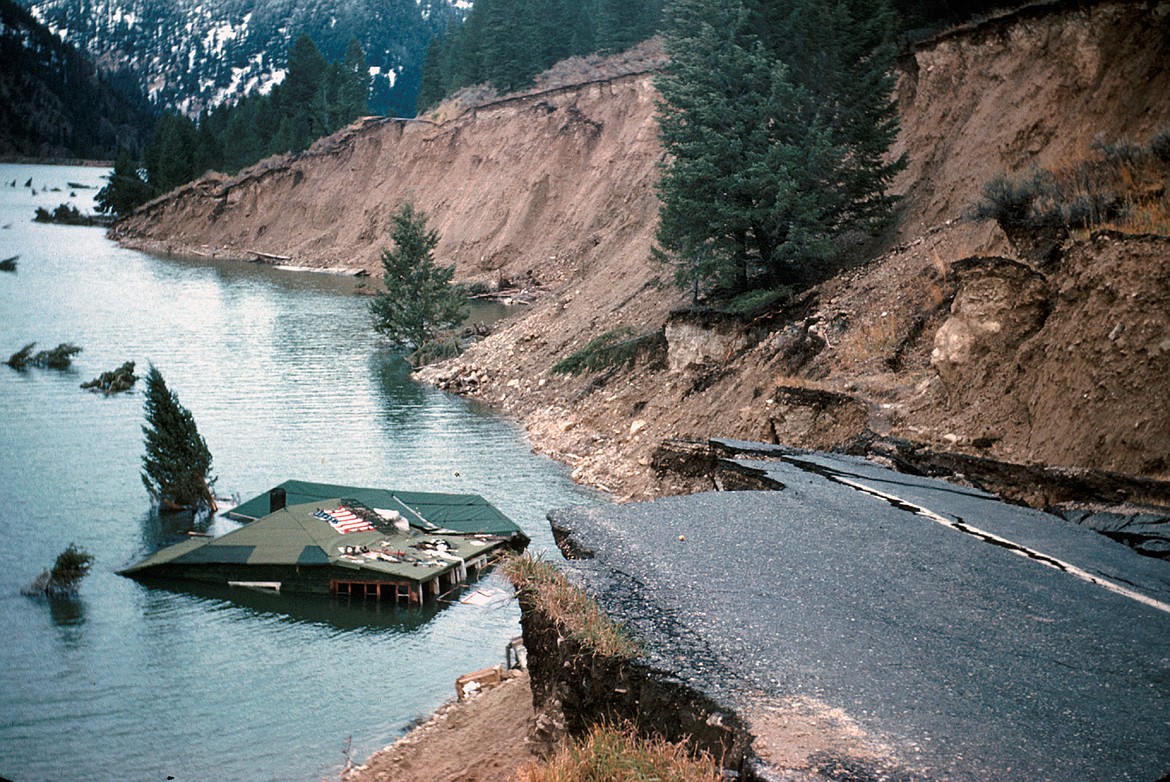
(949, 338)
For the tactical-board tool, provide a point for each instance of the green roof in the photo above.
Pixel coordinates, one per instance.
(433, 511)
(298, 535)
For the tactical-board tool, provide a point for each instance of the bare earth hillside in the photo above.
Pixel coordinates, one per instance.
(951, 338)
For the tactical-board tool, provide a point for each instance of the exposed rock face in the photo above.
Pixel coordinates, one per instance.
(702, 338)
(1065, 368)
(999, 303)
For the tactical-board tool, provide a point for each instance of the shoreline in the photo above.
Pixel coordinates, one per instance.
(64, 161)
(481, 739)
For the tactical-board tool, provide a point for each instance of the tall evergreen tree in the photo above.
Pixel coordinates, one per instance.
(171, 156)
(353, 86)
(303, 114)
(842, 55)
(436, 71)
(775, 149)
(126, 190)
(512, 54)
(176, 468)
(419, 301)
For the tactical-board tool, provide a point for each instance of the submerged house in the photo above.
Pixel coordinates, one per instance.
(404, 547)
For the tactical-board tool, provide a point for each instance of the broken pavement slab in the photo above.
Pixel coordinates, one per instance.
(866, 620)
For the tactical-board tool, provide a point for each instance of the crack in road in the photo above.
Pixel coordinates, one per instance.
(989, 537)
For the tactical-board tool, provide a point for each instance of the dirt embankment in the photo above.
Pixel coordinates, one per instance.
(949, 339)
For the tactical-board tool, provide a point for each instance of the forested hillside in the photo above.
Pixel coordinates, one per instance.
(315, 99)
(195, 54)
(55, 103)
(507, 42)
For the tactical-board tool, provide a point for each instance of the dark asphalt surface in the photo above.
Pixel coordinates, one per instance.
(972, 661)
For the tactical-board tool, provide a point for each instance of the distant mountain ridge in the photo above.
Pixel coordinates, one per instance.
(191, 54)
(55, 103)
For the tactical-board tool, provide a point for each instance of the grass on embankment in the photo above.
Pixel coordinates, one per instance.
(616, 755)
(606, 753)
(577, 614)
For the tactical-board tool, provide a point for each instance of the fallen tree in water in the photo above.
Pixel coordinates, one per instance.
(65, 576)
(59, 357)
(114, 381)
(66, 214)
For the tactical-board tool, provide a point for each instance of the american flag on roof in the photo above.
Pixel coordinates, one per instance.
(345, 520)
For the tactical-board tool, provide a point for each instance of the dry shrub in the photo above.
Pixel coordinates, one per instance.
(608, 754)
(1119, 186)
(873, 339)
(575, 613)
(1144, 217)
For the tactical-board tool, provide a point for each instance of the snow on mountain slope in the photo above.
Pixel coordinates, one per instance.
(189, 54)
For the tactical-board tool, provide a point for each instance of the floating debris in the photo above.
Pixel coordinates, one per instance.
(59, 357)
(114, 381)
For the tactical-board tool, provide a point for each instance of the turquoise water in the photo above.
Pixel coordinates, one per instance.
(285, 379)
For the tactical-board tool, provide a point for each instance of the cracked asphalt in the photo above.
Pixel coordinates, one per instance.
(1036, 650)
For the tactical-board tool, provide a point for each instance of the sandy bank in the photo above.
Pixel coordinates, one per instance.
(484, 739)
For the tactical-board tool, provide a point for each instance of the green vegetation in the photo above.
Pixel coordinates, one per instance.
(64, 214)
(176, 467)
(576, 614)
(63, 579)
(776, 117)
(755, 302)
(57, 102)
(420, 302)
(114, 381)
(1118, 186)
(614, 755)
(507, 42)
(615, 348)
(60, 357)
(315, 99)
(126, 189)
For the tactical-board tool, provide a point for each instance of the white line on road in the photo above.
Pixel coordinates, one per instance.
(1023, 551)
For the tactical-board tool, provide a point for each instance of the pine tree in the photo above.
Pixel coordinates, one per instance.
(171, 156)
(842, 55)
(436, 72)
(776, 117)
(419, 301)
(303, 107)
(177, 465)
(512, 54)
(622, 23)
(714, 120)
(126, 190)
(352, 100)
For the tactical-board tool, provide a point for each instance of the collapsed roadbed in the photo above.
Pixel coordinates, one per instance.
(864, 623)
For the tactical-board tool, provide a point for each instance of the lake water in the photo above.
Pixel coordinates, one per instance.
(285, 379)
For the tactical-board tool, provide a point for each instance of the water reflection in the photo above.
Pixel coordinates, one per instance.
(354, 614)
(401, 399)
(66, 612)
(277, 369)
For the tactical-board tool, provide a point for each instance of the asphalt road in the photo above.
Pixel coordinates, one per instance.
(980, 640)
